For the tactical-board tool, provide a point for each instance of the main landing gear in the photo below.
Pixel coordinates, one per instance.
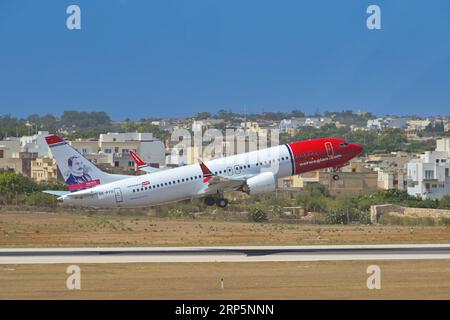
(335, 177)
(220, 202)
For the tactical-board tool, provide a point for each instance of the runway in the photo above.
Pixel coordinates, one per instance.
(224, 254)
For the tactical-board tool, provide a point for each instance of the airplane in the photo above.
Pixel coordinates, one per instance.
(252, 172)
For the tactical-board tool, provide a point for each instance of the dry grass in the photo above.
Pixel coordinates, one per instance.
(41, 229)
(270, 280)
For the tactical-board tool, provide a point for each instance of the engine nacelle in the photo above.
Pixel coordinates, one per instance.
(263, 182)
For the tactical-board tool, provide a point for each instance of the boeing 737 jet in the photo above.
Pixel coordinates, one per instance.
(252, 172)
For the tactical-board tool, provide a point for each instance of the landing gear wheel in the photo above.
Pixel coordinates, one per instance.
(221, 202)
(335, 177)
(210, 201)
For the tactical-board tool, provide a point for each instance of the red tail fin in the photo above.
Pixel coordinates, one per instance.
(137, 160)
(207, 174)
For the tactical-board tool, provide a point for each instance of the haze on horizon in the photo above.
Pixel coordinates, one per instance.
(140, 59)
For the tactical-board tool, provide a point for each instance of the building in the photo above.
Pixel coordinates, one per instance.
(429, 176)
(391, 169)
(354, 181)
(417, 125)
(391, 179)
(376, 124)
(10, 148)
(388, 122)
(292, 125)
(112, 150)
(44, 169)
(149, 149)
(36, 144)
(13, 156)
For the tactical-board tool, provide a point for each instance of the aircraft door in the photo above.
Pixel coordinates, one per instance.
(118, 194)
(329, 147)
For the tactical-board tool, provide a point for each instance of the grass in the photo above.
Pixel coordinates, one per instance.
(270, 280)
(65, 229)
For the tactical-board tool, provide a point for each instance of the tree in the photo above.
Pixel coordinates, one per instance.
(12, 185)
(85, 120)
(203, 115)
(296, 113)
(313, 198)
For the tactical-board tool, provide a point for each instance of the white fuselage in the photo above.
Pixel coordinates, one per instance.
(183, 182)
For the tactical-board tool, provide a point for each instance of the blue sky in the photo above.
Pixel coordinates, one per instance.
(145, 58)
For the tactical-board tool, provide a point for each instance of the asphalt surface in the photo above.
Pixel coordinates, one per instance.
(223, 254)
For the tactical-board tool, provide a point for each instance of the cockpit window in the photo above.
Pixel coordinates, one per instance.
(344, 144)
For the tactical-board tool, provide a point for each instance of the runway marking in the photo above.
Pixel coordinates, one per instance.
(224, 254)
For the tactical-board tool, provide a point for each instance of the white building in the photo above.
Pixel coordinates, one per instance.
(114, 149)
(36, 143)
(429, 176)
(150, 149)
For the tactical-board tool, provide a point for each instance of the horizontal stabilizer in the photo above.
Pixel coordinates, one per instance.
(58, 193)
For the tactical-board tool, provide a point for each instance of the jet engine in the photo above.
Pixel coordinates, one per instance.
(263, 182)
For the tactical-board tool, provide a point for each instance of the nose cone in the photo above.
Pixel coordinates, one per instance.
(356, 148)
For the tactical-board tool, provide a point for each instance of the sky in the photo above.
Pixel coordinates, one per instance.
(146, 58)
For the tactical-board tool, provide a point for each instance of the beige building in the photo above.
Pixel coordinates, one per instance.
(13, 156)
(349, 183)
(86, 146)
(14, 164)
(391, 179)
(44, 169)
(391, 169)
(9, 155)
(415, 125)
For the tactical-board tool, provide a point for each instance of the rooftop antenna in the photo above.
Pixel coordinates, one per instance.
(245, 114)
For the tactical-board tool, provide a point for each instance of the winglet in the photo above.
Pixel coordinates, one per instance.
(137, 160)
(207, 174)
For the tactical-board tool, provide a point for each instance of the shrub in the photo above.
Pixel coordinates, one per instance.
(336, 216)
(257, 215)
(444, 203)
(40, 199)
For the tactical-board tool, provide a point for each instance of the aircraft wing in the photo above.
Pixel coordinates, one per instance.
(217, 184)
(141, 164)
